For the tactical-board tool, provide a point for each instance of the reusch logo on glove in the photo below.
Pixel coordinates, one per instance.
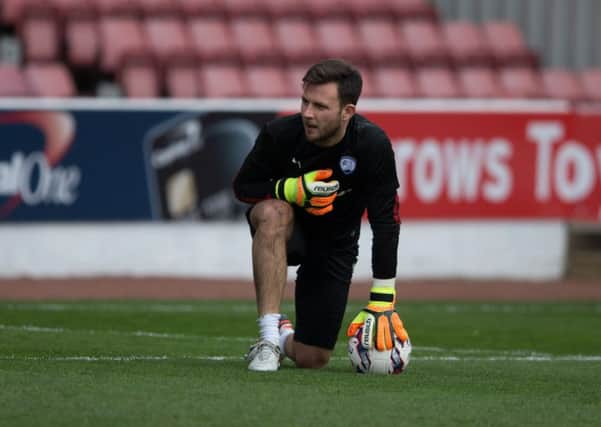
(368, 327)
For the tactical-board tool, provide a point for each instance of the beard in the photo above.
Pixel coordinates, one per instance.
(325, 134)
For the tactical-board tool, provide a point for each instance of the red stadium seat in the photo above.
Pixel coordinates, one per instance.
(367, 9)
(158, 7)
(200, 8)
(368, 87)
(381, 42)
(591, 83)
(326, 8)
(211, 40)
(168, 40)
(117, 7)
(393, 82)
(425, 43)
(296, 40)
(181, 81)
(236, 8)
(74, 9)
(121, 38)
(480, 82)
(221, 81)
(466, 44)
(12, 81)
(11, 11)
(507, 45)
(140, 80)
(284, 8)
(82, 42)
(561, 84)
(255, 40)
(50, 80)
(413, 9)
(437, 83)
(294, 77)
(339, 39)
(266, 82)
(521, 82)
(41, 37)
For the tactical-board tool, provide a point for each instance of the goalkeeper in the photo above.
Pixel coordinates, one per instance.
(309, 179)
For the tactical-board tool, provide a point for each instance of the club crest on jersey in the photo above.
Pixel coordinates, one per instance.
(348, 164)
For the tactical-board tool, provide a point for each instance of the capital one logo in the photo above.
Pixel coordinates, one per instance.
(34, 178)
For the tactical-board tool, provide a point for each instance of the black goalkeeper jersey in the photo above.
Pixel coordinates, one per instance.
(363, 163)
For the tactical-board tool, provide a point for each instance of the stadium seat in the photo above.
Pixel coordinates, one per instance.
(368, 88)
(140, 80)
(200, 8)
(221, 81)
(168, 40)
(591, 83)
(507, 45)
(294, 77)
(466, 44)
(393, 82)
(413, 9)
(437, 83)
(339, 39)
(82, 42)
(521, 82)
(326, 8)
(120, 38)
(50, 80)
(296, 40)
(255, 40)
(73, 9)
(211, 40)
(107, 8)
(425, 43)
(12, 81)
(41, 38)
(561, 84)
(158, 8)
(266, 82)
(361, 9)
(479, 82)
(181, 81)
(236, 8)
(284, 8)
(381, 42)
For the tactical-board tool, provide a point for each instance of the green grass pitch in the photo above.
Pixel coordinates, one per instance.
(149, 363)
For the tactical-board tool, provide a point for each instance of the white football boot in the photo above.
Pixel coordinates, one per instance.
(264, 357)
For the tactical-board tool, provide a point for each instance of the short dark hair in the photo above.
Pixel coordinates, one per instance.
(347, 78)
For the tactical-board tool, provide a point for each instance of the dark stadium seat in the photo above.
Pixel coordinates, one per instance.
(121, 38)
(591, 83)
(168, 40)
(255, 40)
(508, 45)
(339, 39)
(393, 82)
(82, 41)
(413, 9)
(381, 42)
(41, 38)
(521, 82)
(437, 83)
(140, 80)
(266, 81)
(12, 81)
(211, 39)
(200, 8)
(466, 44)
(425, 43)
(50, 80)
(479, 82)
(220, 81)
(561, 84)
(181, 81)
(296, 40)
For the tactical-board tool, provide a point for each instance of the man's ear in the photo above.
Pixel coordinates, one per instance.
(348, 111)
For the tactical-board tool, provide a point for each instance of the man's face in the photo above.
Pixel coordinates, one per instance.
(322, 115)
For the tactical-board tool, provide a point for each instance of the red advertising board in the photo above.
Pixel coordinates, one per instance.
(505, 165)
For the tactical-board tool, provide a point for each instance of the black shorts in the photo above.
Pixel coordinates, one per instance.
(322, 285)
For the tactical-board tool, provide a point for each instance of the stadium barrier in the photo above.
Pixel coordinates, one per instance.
(113, 187)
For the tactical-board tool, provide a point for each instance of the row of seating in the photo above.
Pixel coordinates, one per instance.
(369, 41)
(219, 80)
(12, 11)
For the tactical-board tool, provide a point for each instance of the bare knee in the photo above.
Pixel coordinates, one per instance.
(312, 358)
(272, 217)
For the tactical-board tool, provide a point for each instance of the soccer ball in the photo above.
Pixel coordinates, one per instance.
(372, 361)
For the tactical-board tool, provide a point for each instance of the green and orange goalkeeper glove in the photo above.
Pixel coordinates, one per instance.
(309, 191)
(380, 322)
